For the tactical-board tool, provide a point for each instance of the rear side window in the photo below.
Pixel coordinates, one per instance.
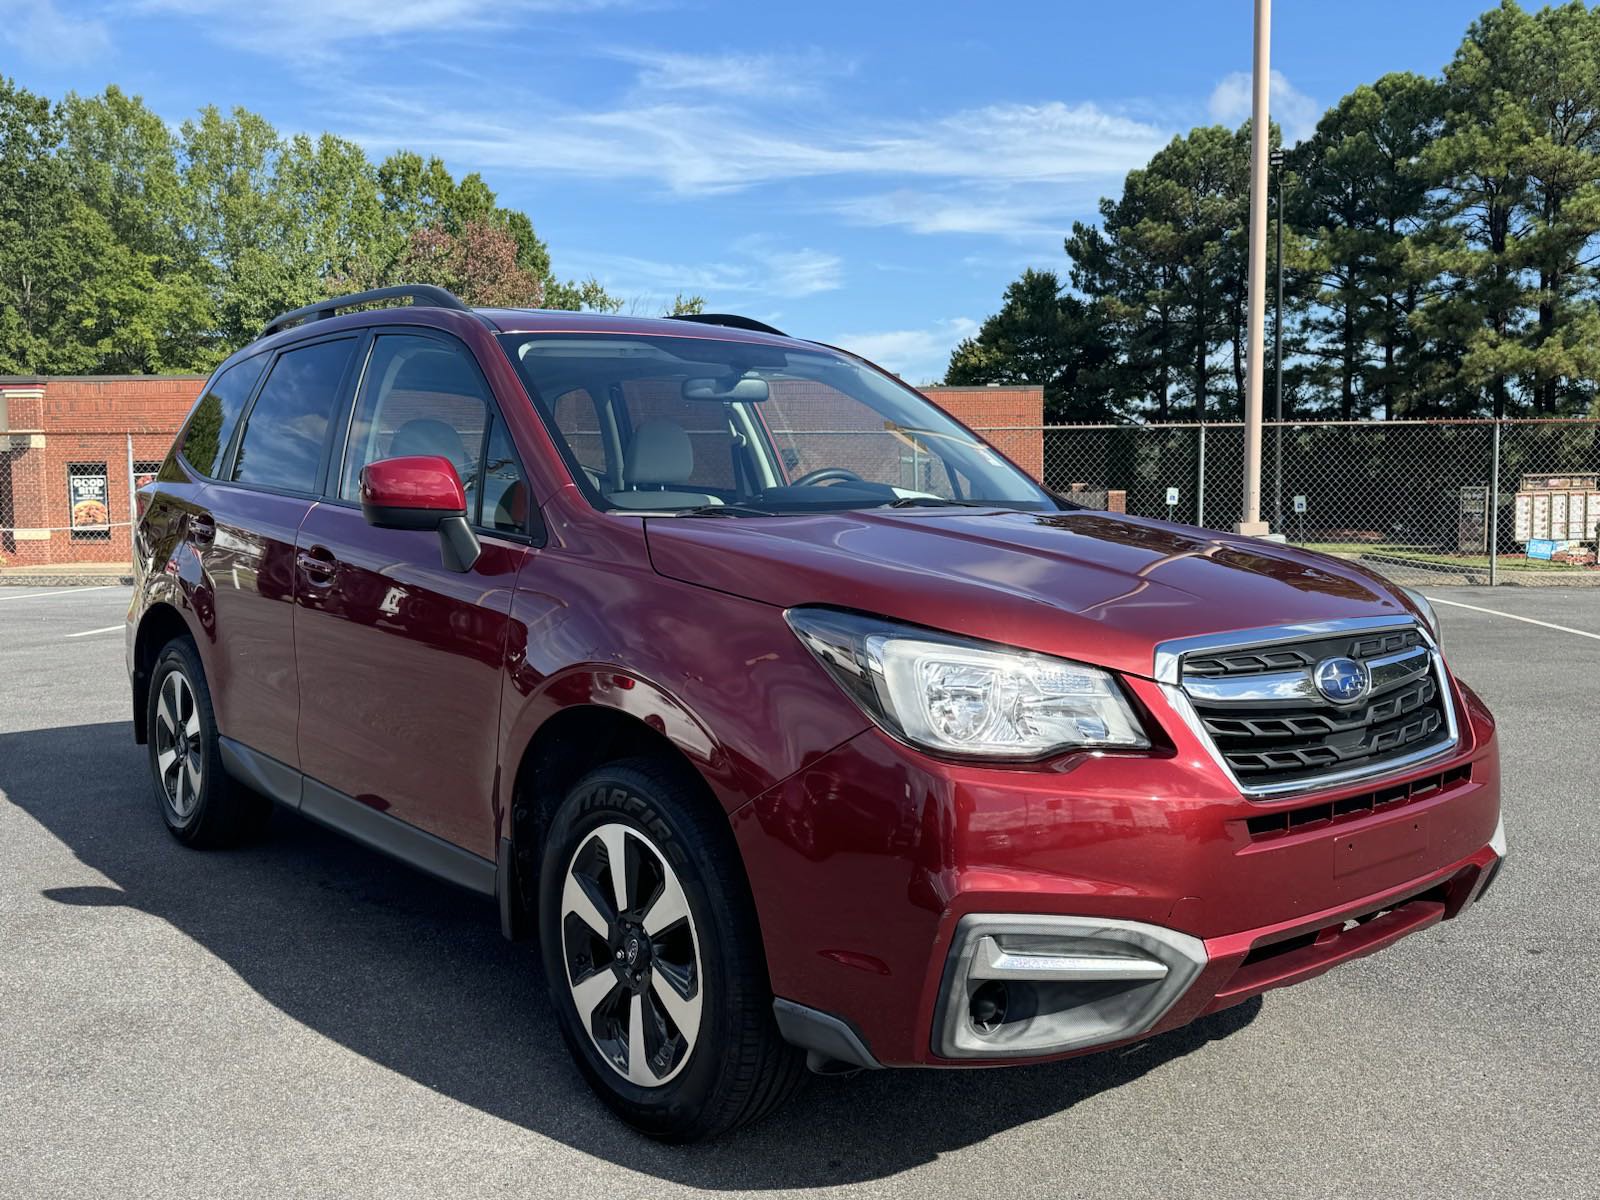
(287, 428)
(211, 427)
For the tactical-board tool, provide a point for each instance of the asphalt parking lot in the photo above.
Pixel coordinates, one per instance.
(304, 1018)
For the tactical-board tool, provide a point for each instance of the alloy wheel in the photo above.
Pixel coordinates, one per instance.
(180, 749)
(632, 954)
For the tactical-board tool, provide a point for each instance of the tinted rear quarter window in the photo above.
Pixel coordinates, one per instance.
(211, 427)
(287, 428)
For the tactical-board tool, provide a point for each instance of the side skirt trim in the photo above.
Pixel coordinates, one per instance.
(347, 815)
(265, 774)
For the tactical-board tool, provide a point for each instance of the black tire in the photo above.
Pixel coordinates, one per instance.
(219, 811)
(737, 1068)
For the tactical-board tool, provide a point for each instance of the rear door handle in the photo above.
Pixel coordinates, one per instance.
(202, 528)
(318, 564)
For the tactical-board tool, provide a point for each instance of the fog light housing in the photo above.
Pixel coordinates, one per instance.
(1019, 985)
(987, 1009)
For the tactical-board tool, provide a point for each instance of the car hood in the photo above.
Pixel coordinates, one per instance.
(1089, 585)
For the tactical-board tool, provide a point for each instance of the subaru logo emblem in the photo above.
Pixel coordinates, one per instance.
(1342, 680)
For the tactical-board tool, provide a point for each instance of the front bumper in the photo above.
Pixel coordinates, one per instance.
(872, 867)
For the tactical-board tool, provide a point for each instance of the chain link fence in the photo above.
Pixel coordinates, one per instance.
(1421, 501)
(67, 503)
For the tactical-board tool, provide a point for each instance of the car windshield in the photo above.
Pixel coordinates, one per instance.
(692, 425)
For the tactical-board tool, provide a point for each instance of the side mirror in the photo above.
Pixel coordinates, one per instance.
(421, 492)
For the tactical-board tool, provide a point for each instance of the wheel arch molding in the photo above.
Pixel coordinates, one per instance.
(581, 719)
(165, 613)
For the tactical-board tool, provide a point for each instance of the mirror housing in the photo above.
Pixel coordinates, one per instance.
(421, 492)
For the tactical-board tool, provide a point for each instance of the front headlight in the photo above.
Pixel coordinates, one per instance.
(1429, 617)
(959, 697)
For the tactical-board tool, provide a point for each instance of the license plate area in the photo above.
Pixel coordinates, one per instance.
(1395, 841)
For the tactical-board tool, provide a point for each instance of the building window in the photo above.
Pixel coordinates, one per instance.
(145, 471)
(88, 499)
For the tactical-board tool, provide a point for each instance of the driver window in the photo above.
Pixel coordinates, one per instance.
(816, 427)
(420, 396)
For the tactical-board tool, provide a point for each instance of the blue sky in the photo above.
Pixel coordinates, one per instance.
(867, 173)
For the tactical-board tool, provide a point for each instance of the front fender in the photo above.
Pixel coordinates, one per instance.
(602, 685)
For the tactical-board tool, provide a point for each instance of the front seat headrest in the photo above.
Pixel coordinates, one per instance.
(659, 453)
(428, 435)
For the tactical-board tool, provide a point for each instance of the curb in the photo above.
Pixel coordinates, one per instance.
(59, 581)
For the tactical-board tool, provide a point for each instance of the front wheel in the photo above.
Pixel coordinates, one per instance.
(654, 959)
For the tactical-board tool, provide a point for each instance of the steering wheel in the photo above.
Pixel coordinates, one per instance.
(827, 475)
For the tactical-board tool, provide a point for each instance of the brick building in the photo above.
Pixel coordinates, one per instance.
(74, 447)
(996, 409)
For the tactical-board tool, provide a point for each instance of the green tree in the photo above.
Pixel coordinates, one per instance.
(1128, 265)
(1198, 202)
(141, 305)
(1046, 336)
(1518, 210)
(1357, 195)
(244, 224)
(38, 258)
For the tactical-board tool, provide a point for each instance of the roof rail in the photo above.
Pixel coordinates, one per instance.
(417, 293)
(731, 320)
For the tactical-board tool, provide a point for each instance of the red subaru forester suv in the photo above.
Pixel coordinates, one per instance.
(795, 723)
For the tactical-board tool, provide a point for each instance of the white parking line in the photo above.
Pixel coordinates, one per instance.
(92, 632)
(71, 591)
(1495, 612)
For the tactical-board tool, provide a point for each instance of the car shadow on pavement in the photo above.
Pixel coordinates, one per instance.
(413, 974)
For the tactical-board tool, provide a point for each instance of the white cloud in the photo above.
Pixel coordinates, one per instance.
(751, 76)
(916, 355)
(701, 149)
(793, 273)
(756, 267)
(1295, 112)
(314, 30)
(40, 30)
(1019, 211)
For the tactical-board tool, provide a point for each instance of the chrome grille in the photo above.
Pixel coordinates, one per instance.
(1275, 730)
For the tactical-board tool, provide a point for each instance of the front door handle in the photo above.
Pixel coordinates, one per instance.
(318, 564)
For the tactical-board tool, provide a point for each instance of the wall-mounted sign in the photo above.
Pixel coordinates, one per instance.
(86, 494)
(1550, 515)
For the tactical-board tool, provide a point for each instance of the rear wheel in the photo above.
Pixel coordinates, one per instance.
(654, 960)
(200, 804)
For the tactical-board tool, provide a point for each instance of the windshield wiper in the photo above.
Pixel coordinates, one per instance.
(941, 502)
(722, 510)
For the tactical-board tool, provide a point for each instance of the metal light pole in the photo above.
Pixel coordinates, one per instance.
(1250, 521)
(1277, 360)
